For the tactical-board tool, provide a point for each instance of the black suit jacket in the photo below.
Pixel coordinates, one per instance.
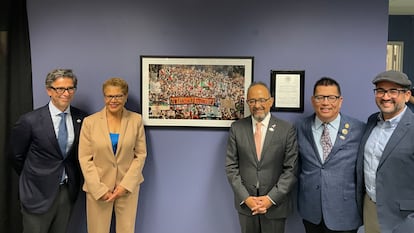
(36, 157)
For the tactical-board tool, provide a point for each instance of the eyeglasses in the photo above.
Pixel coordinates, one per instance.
(254, 101)
(393, 93)
(331, 98)
(61, 90)
(114, 97)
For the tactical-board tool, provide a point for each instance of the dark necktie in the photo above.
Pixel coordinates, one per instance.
(326, 141)
(63, 134)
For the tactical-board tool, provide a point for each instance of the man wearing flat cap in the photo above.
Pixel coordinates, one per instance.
(385, 164)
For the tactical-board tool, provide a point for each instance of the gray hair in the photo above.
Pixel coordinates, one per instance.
(60, 73)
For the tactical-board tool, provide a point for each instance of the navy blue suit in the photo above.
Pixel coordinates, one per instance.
(39, 162)
(394, 176)
(327, 189)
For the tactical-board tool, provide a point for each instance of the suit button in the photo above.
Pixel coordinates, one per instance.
(317, 187)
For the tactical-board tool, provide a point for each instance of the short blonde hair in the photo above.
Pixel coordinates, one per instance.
(116, 82)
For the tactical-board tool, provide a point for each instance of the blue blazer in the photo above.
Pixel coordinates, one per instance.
(395, 174)
(327, 190)
(36, 157)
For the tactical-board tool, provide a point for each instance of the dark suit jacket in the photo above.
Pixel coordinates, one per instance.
(395, 173)
(327, 189)
(38, 160)
(275, 173)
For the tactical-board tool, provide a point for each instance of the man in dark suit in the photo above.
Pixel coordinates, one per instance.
(44, 151)
(261, 165)
(385, 166)
(327, 192)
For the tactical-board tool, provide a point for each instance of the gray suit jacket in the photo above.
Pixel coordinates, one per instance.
(36, 157)
(275, 173)
(395, 173)
(327, 190)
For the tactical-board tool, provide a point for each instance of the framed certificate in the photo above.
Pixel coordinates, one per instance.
(287, 89)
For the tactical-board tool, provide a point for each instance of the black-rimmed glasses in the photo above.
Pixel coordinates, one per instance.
(331, 98)
(114, 97)
(392, 93)
(61, 90)
(254, 101)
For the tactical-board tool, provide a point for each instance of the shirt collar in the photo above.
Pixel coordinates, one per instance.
(335, 123)
(55, 111)
(393, 121)
(265, 121)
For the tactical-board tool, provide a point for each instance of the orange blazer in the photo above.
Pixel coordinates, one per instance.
(102, 169)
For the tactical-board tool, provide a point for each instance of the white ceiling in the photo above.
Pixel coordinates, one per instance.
(401, 7)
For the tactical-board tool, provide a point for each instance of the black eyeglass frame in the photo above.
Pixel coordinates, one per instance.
(61, 90)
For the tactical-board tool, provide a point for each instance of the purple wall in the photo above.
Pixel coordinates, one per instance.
(185, 188)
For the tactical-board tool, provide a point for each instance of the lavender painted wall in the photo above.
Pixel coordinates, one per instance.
(185, 188)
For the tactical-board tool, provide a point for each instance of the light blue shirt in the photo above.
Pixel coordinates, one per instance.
(317, 129)
(54, 113)
(374, 148)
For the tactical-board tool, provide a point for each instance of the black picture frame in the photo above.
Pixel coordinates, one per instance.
(194, 91)
(287, 89)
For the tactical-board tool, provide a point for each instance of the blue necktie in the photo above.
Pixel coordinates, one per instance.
(63, 134)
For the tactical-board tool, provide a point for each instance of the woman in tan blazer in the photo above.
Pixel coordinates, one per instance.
(112, 152)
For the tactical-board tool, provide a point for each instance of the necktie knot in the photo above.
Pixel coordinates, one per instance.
(326, 141)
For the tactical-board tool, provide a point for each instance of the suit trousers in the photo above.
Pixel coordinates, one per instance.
(322, 228)
(99, 213)
(261, 224)
(371, 224)
(55, 220)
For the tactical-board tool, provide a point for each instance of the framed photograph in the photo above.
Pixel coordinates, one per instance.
(287, 89)
(194, 91)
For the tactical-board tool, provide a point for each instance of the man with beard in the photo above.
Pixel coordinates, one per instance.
(386, 158)
(261, 165)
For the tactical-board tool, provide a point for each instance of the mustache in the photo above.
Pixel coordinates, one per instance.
(258, 108)
(387, 101)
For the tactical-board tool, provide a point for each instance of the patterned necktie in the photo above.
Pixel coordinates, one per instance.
(258, 139)
(326, 141)
(63, 134)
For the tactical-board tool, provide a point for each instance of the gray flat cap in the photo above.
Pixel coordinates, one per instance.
(393, 76)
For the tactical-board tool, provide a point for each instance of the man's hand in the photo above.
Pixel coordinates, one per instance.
(258, 205)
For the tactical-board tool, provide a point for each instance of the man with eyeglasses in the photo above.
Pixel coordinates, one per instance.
(44, 151)
(385, 167)
(261, 165)
(328, 143)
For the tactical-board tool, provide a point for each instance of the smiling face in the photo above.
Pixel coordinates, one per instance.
(62, 100)
(391, 106)
(115, 99)
(326, 110)
(262, 101)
